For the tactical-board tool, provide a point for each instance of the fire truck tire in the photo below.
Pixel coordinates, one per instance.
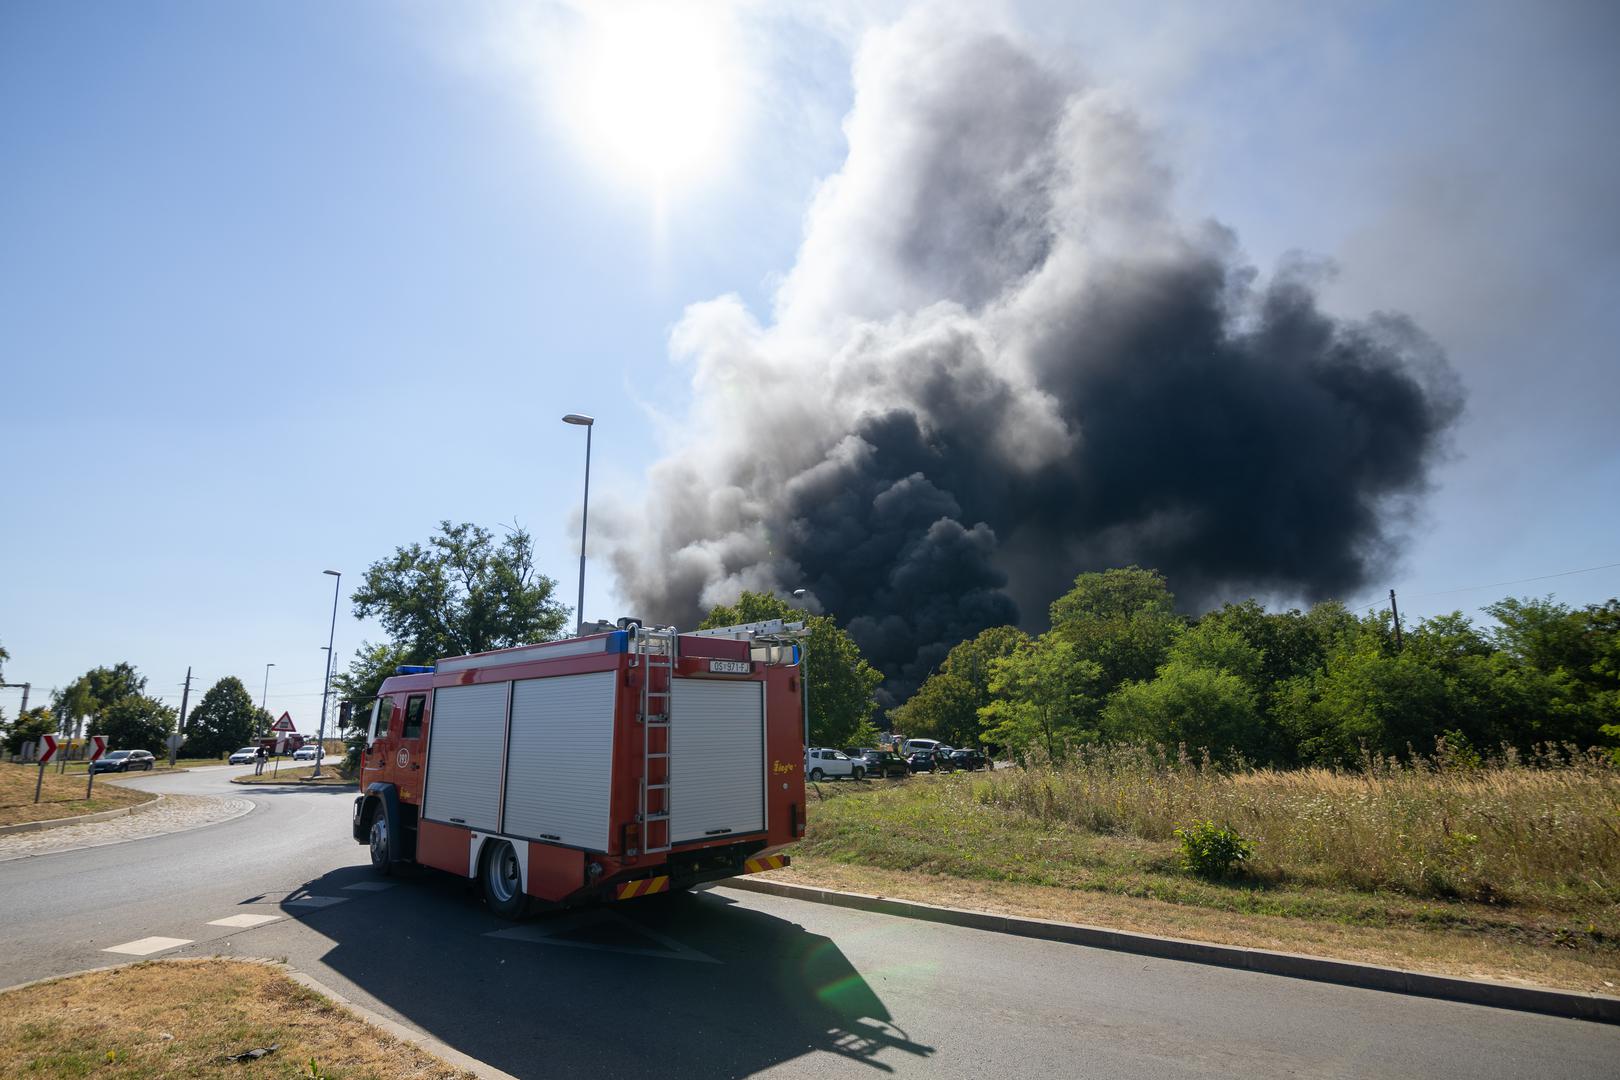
(501, 881)
(380, 861)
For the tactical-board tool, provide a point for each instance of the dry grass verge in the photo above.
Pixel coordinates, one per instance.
(299, 775)
(185, 1018)
(61, 796)
(1460, 953)
(1509, 870)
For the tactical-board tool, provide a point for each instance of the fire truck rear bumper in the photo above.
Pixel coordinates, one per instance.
(659, 883)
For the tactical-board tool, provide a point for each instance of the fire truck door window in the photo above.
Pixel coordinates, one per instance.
(413, 716)
(385, 716)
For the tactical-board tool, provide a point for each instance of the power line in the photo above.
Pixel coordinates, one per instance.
(1520, 581)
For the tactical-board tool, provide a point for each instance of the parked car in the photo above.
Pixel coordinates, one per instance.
(306, 753)
(883, 763)
(912, 746)
(823, 763)
(922, 761)
(968, 759)
(245, 756)
(123, 761)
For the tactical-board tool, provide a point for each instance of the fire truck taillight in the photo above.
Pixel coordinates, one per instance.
(632, 839)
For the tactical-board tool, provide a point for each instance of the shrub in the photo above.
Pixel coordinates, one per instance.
(1210, 850)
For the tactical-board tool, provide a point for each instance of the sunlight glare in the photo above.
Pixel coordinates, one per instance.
(659, 96)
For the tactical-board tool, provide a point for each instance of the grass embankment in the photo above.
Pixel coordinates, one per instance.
(61, 796)
(1507, 871)
(184, 1018)
(300, 775)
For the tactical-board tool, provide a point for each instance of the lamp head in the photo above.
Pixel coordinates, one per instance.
(334, 573)
(579, 418)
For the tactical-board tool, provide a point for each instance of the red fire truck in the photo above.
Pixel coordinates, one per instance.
(615, 765)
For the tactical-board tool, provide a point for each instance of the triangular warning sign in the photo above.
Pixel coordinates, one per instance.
(284, 724)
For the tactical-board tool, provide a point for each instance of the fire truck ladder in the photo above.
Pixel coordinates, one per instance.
(655, 653)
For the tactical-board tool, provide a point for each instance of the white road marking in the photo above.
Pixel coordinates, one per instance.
(146, 946)
(550, 933)
(370, 886)
(244, 921)
(314, 901)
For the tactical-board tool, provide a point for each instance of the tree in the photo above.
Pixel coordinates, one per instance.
(135, 722)
(224, 719)
(1203, 696)
(840, 681)
(92, 693)
(1199, 706)
(28, 727)
(363, 680)
(946, 706)
(462, 593)
(1043, 696)
(1121, 620)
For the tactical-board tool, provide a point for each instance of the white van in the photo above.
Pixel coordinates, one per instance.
(914, 745)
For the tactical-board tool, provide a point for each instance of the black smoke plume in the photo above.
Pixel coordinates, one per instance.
(1001, 360)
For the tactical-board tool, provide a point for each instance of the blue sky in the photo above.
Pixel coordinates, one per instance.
(282, 285)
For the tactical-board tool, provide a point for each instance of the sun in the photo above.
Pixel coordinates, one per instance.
(658, 96)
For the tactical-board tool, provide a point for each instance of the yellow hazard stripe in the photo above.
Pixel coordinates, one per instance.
(770, 862)
(643, 887)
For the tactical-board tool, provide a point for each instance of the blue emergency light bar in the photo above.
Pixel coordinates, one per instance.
(414, 669)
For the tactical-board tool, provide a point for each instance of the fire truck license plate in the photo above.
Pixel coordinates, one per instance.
(731, 667)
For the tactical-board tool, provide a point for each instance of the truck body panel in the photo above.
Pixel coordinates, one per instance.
(598, 763)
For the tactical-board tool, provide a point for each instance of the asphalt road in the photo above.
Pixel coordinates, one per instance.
(724, 983)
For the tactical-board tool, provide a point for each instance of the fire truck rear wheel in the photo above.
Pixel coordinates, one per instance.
(380, 861)
(502, 881)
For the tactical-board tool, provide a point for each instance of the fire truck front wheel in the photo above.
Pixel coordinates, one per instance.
(380, 861)
(502, 881)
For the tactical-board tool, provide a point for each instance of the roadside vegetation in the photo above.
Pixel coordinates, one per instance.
(61, 795)
(191, 1018)
(1520, 853)
(331, 776)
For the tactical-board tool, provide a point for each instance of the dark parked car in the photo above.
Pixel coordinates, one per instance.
(922, 761)
(883, 764)
(123, 761)
(967, 759)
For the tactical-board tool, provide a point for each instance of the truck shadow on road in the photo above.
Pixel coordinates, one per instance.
(684, 985)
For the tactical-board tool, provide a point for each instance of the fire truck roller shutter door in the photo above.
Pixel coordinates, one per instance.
(464, 755)
(717, 763)
(560, 759)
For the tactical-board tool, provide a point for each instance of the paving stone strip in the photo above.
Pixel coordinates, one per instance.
(174, 813)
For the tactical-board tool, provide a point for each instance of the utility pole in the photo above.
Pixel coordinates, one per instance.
(22, 712)
(265, 696)
(185, 696)
(326, 685)
(1395, 614)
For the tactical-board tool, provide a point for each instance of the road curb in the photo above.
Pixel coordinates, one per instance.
(449, 1054)
(82, 819)
(247, 809)
(1567, 1003)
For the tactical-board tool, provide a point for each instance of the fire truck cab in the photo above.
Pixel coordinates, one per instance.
(625, 763)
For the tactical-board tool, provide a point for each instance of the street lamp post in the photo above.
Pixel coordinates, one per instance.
(586, 422)
(326, 685)
(265, 696)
